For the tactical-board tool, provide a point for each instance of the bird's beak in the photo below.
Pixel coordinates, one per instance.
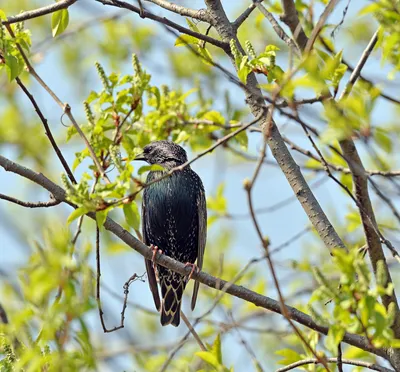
(140, 157)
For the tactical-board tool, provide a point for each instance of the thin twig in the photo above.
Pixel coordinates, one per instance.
(62, 4)
(372, 366)
(165, 21)
(65, 106)
(193, 331)
(132, 279)
(51, 203)
(239, 20)
(48, 132)
(277, 28)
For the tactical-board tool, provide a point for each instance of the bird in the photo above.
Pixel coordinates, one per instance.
(174, 221)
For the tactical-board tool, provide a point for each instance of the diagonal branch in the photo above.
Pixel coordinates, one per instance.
(277, 28)
(199, 14)
(63, 4)
(165, 21)
(291, 19)
(275, 141)
(65, 106)
(51, 203)
(213, 282)
(360, 182)
(358, 363)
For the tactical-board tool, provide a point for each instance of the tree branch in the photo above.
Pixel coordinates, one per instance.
(165, 21)
(239, 20)
(291, 19)
(278, 29)
(51, 203)
(48, 132)
(199, 14)
(210, 281)
(65, 106)
(63, 4)
(278, 148)
(359, 363)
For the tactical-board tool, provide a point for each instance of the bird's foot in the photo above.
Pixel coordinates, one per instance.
(155, 250)
(194, 268)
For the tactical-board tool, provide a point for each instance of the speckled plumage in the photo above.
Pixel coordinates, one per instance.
(174, 218)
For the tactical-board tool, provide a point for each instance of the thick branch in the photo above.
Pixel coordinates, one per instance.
(275, 141)
(291, 19)
(213, 282)
(361, 192)
(360, 180)
(199, 14)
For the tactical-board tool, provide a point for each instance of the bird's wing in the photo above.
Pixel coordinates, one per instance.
(151, 275)
(202, 237)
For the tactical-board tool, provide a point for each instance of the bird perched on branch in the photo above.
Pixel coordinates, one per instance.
(174, 218)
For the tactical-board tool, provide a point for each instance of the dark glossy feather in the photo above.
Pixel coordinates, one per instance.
(172, 221)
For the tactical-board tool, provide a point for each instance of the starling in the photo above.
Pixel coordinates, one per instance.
(174, 218)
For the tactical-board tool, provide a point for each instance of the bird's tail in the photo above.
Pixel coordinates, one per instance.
(172, 287)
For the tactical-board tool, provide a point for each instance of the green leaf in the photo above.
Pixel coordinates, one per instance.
(147, 168)
(101, 217)
(215, 117)
(335, 336)
(383, 140)
(186, 39)
(290, 356)
(192, 26)
(76, 214)
(59, 22)
(12, 66)
(209, 358)
(132, 216)
(2, 14)
(183, 136)
(216, 349)
(207, 58)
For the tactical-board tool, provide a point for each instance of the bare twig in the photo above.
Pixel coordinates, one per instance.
(133, 278)
(62, 4)
(48, 132)
(65, 106)
(278, 29)
(51, 203)
(318, 27)
(239, 20)
(265, 243)
(165, 21)
(193, 331)
(372, 366)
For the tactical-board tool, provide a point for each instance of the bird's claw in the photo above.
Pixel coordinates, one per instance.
(155, 250)
(194, 268)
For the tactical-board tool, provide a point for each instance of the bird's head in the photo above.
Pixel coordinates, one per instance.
(164, 153)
